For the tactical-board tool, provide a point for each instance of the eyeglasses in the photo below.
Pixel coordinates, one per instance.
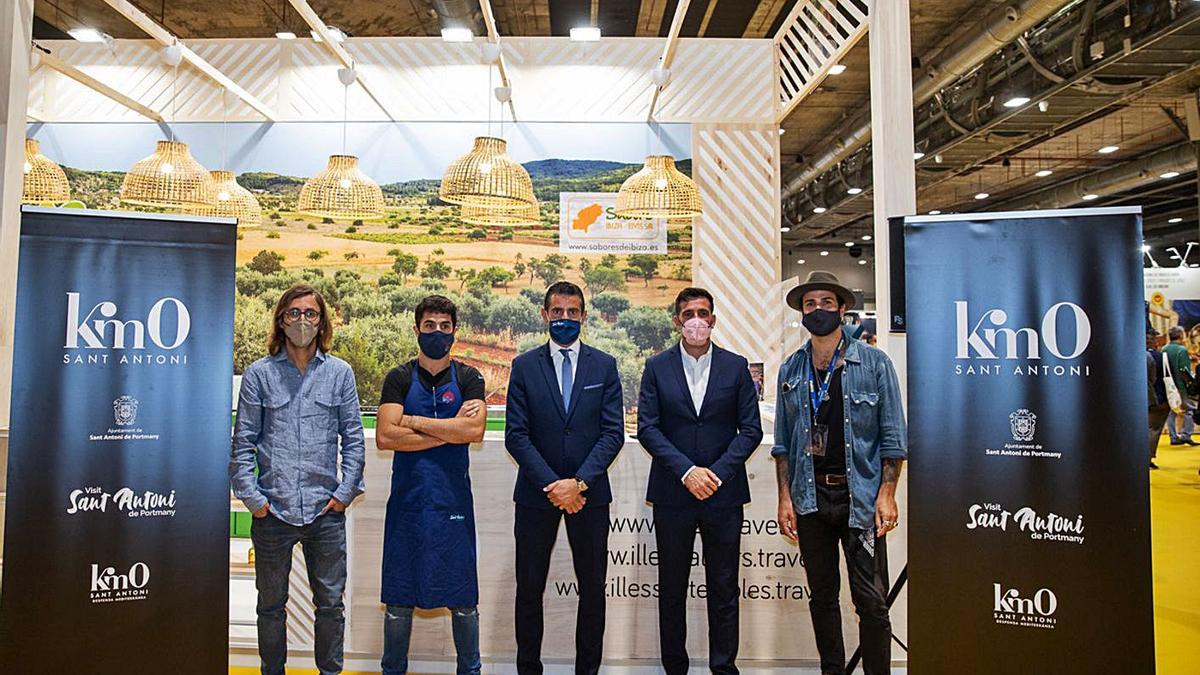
(308, 314)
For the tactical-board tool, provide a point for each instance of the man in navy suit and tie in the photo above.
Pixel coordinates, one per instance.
(565, 425)
(698, 418)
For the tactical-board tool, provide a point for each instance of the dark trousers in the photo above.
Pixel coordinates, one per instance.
(324, 544)
(1158, 417)
(721, 538)
(536, 531)
(820, 534)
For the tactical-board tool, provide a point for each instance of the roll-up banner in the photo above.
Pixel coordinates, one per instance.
(1030, 525)
(116, 553)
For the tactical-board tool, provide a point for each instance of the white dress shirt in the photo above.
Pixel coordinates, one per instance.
(557, 355)
(696, 371)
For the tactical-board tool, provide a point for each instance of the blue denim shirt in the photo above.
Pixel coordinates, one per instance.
(873, 422)
(288, 424)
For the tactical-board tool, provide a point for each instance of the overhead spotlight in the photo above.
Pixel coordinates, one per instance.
(457, 34)
(285, 35)
(824, 253)
(849, 243)
(866, 237)
(1145, 248)
(800, 261)
(1108, 149)
(1016, 101)
(1175, 220)
(862, 262)
(854, 191)
(585, 34)
(1090, 196)
(334, 32)
(785, 228)
(837, 69)
(1043, 173)
(918, 155)
(981, 195)
(937, 159)
(782, 131)
(1169, 174)
(1043, 105)
(935, 212)
(819, 209)
(89, 35)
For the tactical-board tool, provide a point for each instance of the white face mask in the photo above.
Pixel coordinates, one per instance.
(300, 333)
(696, 332)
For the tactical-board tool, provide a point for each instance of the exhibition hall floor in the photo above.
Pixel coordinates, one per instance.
(1174, 503)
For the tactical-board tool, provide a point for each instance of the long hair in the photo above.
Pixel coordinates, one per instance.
(278, 338)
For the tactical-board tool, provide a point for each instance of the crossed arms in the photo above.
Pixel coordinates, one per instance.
(399, 432)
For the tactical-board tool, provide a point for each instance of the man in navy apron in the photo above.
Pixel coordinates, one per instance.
(431, 410)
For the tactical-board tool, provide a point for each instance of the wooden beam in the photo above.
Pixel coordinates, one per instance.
(764, 15)
(165, 38)
(493, 36)
(52, 61)
(35, 114)
(712, 5)
(339, 52)
(650, 16)
(668, 55)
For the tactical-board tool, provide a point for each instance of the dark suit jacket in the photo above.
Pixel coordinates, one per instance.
(550, 443)
(721, 438)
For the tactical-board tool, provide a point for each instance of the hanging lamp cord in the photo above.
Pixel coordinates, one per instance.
(345, 113)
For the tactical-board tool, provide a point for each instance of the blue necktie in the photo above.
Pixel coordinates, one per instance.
(566, 379)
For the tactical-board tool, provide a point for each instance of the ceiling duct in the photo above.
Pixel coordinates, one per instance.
(460, 14)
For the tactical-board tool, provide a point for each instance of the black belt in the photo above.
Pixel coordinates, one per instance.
(831, 479)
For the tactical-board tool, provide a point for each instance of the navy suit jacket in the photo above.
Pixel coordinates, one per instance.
(720, 438)
(550, 443)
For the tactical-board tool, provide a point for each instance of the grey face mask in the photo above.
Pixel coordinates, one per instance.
(301, 333)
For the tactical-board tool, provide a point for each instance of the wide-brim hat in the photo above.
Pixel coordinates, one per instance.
(820, 281)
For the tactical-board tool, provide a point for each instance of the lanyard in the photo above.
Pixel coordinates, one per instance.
(815, 397)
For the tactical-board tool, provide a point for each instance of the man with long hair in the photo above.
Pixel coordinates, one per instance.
(294, 407)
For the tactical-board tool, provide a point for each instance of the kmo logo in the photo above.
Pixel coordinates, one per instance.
(1043, 603)
(107, 579)
(125, 334)
(990, 336)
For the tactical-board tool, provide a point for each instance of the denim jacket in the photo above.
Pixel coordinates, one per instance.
(873, 422)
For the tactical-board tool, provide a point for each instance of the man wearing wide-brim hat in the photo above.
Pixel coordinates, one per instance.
(840, 441)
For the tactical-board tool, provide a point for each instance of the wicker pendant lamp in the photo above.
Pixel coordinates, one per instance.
(170, 178)
(486, 178)
(45, 181)
(232, 201)
(658, 190)
(528, 214)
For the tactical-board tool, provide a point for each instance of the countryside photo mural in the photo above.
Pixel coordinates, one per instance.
(374, 272)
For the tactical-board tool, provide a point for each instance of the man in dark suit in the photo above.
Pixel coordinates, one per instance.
(698, 418)
(565, 425)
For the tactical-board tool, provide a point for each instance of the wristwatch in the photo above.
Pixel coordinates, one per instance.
(582, 485)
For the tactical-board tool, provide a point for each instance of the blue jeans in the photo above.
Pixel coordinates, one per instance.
(324, 543)
(1188, 423)
(397, 629)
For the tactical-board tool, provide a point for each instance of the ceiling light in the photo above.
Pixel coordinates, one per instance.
(824, 252)
(169, 178)
(658, 190)
(1169, 174)
(849, 243)
(866, 237)
(1176, 219)
(1090, 196)
(937, 159)
(285, 35)
(1108, 149)
(341, 192)
(819, 209)
(1016, 101)
(918, 155)
(801, 261)
(1043, 105)
(334, 32)
(44, 182)
(782, 131)
(935, 212)
(854, 191)
(785, 228)
(1043, 173)
(458, 34)
(88, 35)
(585, 34)
(981, 195)
(1145, 248)
(862, 262)
(837, 69)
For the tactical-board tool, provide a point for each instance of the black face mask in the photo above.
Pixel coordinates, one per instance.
(822, 322)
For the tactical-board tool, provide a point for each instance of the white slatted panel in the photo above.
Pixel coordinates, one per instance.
(815, 36)
(735, 251)
(426, 79)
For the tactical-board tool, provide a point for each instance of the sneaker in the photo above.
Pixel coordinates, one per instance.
(1190, 442)
(1176, 442)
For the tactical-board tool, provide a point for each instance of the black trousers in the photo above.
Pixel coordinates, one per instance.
(536, 531)
(820, 534)
(721, 538)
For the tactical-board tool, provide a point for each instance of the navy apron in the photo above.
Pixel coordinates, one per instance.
(429, 531)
